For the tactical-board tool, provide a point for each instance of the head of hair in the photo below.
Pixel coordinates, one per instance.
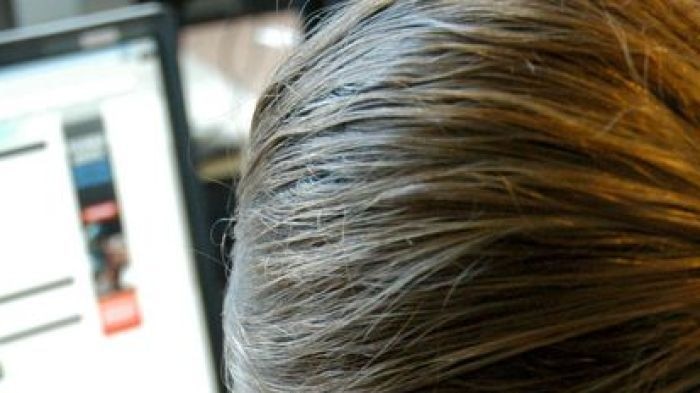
(475, 196)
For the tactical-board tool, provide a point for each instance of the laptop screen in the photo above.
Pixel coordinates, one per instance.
(98, 288)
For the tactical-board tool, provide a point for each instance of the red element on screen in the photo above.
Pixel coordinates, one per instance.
(101, 212)
(119, 311)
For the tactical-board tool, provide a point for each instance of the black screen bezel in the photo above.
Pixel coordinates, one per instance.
(152, 21)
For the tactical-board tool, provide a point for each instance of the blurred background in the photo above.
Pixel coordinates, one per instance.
(226, 52)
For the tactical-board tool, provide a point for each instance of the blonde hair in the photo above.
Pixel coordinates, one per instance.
(475, 196)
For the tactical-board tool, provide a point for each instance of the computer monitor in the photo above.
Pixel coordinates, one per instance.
(100, 289)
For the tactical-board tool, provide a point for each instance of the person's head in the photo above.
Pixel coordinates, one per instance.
(475, 196)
